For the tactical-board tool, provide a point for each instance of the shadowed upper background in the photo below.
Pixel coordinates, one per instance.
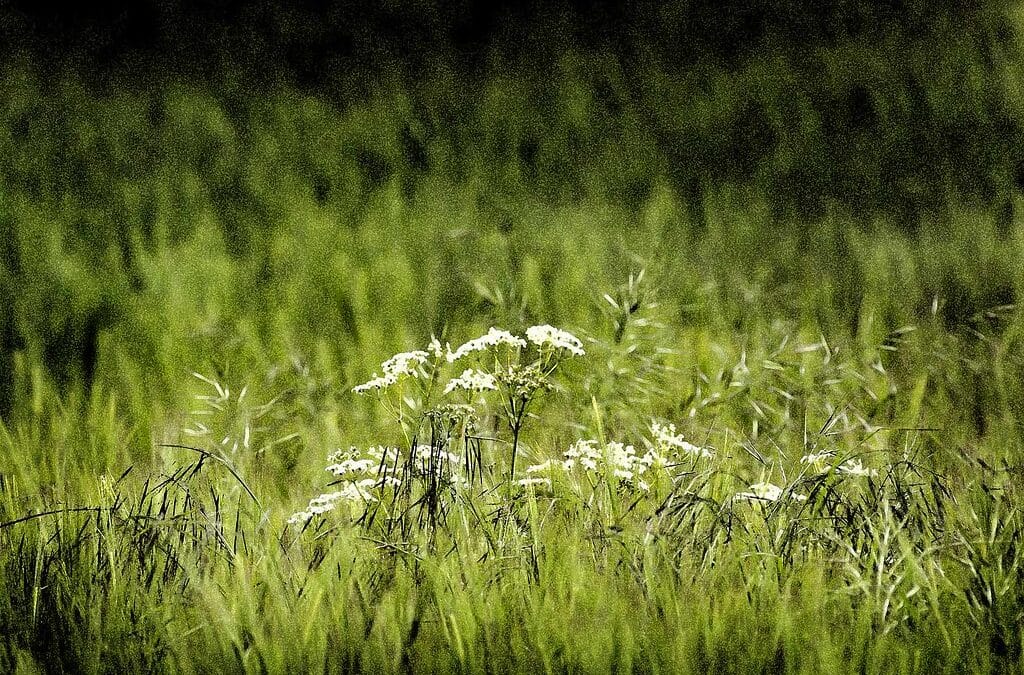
(135, 128)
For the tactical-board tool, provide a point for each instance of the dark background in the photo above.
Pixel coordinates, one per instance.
(922, 102)
(303, 39)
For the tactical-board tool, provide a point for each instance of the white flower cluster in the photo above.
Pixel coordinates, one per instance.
(615, 460)
(472, 380)
(356, 491)
(363, 475)
(852, 467)
(585, 454)
(350, 462)
(668, 441)
(493, 338)
(375, 383)
(411, 364)
(403, 364)
(535, 481)
(549, 337)
(437, 351)
(766, 492)
(818, 460)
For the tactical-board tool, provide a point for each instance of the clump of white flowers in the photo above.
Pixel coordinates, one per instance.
(614, 461)
(521, 369)
(818, 460)
(493, 338)
(766, 492)
(353, 492)
(363, 476)
(424, 365)
(854, 467)
(822, 462)
(585, 453)
(472, 380)
(350, 462)
(376, 383)
(667, 440)
(405, 364)
(535, 482)
(549, 337)
(437, 351)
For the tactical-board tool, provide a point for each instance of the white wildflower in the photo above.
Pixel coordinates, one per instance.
(854, 467)
(364, 485)
(622, 460)
(356, 492)
(582, 453)
(546, 336)
(472, 380)
(817, 457)
(535, 482)
(493, 338)
(653, 460)
(300, 518)
(437, 351)
(666, 438)
(405, 363)
(353, 465)
(583, 449)
(548, 466)
(376, 383)
(766, 492)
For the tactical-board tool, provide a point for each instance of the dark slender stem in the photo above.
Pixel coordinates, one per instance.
(515, 447)
(516, 420)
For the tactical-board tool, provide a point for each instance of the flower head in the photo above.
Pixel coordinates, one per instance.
(437, 351)
(535, 482)
(493, 338)
(549, 337)
(472, 380)
(667, 440)
(376, 383)
(328, 501)
(584, 453)
(854, 467)
(405, 363)
(766, 492)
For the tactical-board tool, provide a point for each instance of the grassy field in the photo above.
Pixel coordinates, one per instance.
(195, 276)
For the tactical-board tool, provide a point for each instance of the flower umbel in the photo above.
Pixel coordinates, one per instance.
(405, 363)
(549, 337)
(493, 338)
(375, 384)
(766, 492)
(472, 380)
(667, 440)
(854, 467)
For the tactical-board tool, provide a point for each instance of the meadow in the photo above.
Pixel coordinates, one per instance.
(782, 431)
